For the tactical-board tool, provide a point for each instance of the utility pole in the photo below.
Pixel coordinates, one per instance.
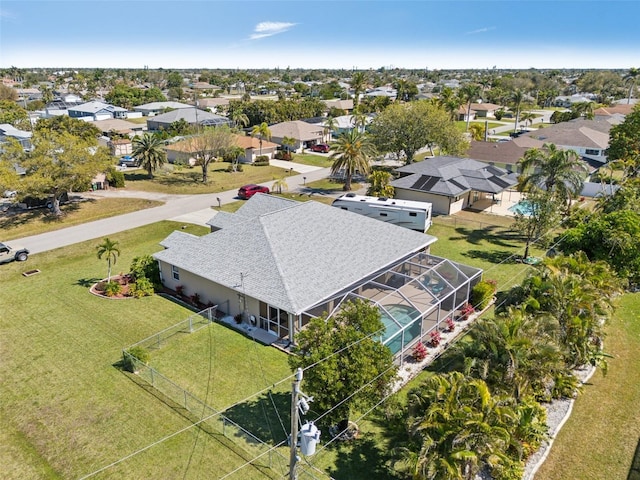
(293, 439)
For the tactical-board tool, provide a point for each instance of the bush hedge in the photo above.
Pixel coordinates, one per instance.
(482, 294)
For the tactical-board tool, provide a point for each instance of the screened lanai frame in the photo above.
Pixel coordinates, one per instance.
(414, 297)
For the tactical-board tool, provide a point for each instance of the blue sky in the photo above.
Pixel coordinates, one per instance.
(320, 34)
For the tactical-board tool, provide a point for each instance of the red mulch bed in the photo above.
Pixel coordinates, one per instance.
(124, 280)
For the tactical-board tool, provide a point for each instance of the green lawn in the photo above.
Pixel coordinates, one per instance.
(65, 410)
(33, 222)
(311, 159)
(187, 181)
(601, 436)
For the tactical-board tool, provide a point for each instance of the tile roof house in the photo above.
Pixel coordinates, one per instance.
(451, 184)
(619, 109)
(303, 133)
(276, 263)
(97, 111)
(183, 150)
(503, 154)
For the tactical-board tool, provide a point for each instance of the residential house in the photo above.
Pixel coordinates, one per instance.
(345, 105)
(588, 138)
(156, 108)
(214, 105)
(304, 134)
(183, 151)
(95, 110)
(568, 101)
(485, 110)
(8, 131)
(461, 114)
(620, 109)
(265, 266)
(451, 183)
(503, 154)
(191, 115)
(130, 129)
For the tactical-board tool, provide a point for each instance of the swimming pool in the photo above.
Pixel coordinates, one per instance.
(523, 207)
(404, 315)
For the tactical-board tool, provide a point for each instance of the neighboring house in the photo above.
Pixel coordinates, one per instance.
(588, 138)
(461, 114)
(503, 154)
(303, 133)
(120, 126)
(621, 109)
(568, 102)
(120, 147)
(344, 123)
(8, 131)
(451, 183)
(213, 104)
(96, 111)
(191, 115)
(156, 108)
(346, 105)
(389, 92)
(183, 151)
(485, 110)
(265, 266)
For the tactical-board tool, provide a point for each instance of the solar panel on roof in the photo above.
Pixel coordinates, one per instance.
(425, 182)
(499, 181)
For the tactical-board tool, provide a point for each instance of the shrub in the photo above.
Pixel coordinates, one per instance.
(482, 293)
(261, 161)
(146, 267)
(499, 114)
(238, 168)
(180, 290)
(142, 287)
(419, 352)
(451, 326)
(195, 298)
(466, 310)
(435, 338)
(115, 178)
(135, 355)
(112, 288)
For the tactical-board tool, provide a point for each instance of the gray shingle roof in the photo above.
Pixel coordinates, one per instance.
(296, 256)
(453, 176)
(251, 210)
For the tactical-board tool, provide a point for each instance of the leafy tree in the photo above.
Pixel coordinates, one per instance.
(262, 131)
(60, 163)
(149, 150)
(62, 124)
(212, 143)
(560, 172)
(14, 114)
(379, 184)
(108, 249)
(624, 143)
(403, 129)
(174, 80)
(477, 131)
(359, 375)
(146, 267)
(351, 153)
(8, 93)
(542, 216)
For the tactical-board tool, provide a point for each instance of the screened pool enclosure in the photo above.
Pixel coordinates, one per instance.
(414, 297)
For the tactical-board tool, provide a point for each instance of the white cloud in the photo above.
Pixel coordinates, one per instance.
(480, 30)
(267, 29)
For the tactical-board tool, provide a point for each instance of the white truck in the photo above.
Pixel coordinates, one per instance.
(405, 213)
(9, 253)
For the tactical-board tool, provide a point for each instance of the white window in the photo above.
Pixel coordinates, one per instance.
(176, 272)
(592, 152)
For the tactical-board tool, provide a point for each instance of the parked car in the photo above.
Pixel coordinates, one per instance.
(9, 253)
(248, 191)
(320, 147)
(129, 161)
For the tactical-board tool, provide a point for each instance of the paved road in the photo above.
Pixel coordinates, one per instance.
(179, 207)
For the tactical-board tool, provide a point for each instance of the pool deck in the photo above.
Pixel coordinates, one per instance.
(505, 200)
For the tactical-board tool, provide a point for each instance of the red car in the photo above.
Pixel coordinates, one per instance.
(320, 147)
(249, 191)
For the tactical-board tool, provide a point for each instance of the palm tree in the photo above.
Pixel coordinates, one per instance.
(631, 77)
(262, 131)
(558, 171)
(110, 250)
(352, 152)
(527, 117)
(469, 93)
(288, 143)
(358, 83)
(449, 101)
(359, 120)
(148, 150)
(239, 118)
(279, 185)
(517, 97)
(330, 124)
(235, 152)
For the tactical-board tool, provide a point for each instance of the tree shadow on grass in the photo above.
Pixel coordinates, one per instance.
(494, 234)
(19, 218)
(264, 416)
(491, 256)
(87, 282)
(361, 459)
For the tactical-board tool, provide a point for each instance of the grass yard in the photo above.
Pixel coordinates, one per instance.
(311, 159)
(65, 410)
(188, 181)
(40, 220)
(602, 434)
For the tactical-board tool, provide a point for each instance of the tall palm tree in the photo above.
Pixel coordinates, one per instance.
(449, 101)
(149, 150)
(469, 93)
(352, 152)
(558, 171)
(288, 143)
(279, 185)
(235, 152)
(517, 97)
(527, 117)
(262, 131)
(239, 118)
(631, 78)
(108, 249)
(330, 124)
(358, 83)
